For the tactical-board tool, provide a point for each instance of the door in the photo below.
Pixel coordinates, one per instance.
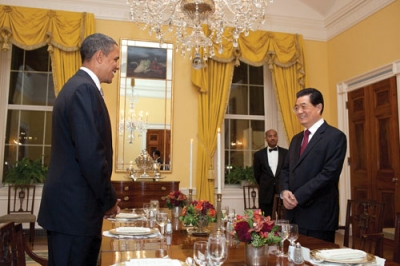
(374, 145)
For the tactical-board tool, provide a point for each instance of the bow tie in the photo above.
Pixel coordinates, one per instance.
(273, 149)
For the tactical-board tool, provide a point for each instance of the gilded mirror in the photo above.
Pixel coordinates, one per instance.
(145, 103)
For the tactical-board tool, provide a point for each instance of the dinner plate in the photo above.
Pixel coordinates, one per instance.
(319, 256)
(127, 215)
(133, 231)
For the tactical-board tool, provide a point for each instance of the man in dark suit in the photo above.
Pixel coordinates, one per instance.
(310, 176)
(267, 167)
(78, 193)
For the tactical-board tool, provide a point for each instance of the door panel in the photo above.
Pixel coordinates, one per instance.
(374, 145)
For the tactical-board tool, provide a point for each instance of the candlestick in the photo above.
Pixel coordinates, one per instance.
(219, 160)
(219, 212)
(191, 163)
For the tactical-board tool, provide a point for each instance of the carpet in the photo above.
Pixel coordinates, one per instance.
(31, 262)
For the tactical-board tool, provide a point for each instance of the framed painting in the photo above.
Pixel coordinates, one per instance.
(146, 62)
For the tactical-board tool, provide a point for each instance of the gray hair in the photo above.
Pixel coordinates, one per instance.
(94, 43)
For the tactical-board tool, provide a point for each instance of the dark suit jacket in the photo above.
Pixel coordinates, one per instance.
(78, 190)
(268, 183)
(314, 177)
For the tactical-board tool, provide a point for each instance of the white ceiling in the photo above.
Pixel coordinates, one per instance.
(314, 19)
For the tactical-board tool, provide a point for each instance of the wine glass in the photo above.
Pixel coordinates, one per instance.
(293, 234)
(279, 222)
(161, 219)
(217, 248)
(225, 212)
(232, 214)
(200, 253)
(284, 230)
(154, 205)
(146, 209)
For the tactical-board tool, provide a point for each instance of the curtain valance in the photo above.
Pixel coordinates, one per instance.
(62, 31)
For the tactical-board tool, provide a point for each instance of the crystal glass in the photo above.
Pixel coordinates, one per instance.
(293, 234)
(161, 219)
(154, 205)
(217, 249)
(200, 252)
(146, 209)
(278, 223)
(225, 212)
(231, 215)
(284, 230)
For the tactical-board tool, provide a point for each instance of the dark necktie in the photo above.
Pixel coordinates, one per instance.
(273, 149)
(305, 141)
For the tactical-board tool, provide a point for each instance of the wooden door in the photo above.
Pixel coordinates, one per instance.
(374, 145)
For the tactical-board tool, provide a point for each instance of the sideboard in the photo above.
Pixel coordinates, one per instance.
(134, 193)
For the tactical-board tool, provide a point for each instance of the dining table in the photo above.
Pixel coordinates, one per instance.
(179, 244)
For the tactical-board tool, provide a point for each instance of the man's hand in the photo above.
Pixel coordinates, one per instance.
(111, 213)
(289, 200)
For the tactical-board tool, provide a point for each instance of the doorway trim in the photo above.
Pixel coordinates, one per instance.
(342, 88)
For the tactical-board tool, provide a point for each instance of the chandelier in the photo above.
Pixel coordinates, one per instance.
(226, 20)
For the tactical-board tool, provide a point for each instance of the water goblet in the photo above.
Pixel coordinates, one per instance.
(284, 230)
(232, 214)
(161, 219)
(146, 209)
(217, 249)
(278, 223)
(200, 252)
(225, 212)
(154, 205)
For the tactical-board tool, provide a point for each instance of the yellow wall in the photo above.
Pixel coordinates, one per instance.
(369, 44)
(184, 115)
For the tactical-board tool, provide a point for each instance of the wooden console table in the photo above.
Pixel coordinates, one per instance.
(134, 193)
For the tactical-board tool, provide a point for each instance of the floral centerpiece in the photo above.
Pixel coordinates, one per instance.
(175, 199)
(255, 229)
(198, 211)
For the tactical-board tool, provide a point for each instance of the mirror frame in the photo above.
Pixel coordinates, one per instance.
(140, 85)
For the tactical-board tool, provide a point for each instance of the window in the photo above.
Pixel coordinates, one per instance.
(29, 107)
(252, 109)
(244, 120)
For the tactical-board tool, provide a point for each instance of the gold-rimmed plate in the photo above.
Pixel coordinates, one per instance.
(133, 231)
(317, 254)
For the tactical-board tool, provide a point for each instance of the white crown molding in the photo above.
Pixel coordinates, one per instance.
(311, 29)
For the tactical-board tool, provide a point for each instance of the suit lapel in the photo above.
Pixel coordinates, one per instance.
(280, 162)
(313, 142)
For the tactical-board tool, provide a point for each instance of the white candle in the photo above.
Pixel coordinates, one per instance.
(191, 163)
(219, 160)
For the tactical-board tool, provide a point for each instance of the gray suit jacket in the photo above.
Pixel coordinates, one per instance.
(78, 189)
(313, 177)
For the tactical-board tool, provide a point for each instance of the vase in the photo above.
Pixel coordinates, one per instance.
(176, 211)
(256, 256)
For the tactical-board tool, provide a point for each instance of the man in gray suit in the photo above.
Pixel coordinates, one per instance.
(267, 166)
(310, 175)
(78, 193)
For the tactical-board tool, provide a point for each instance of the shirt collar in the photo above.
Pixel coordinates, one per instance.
(92, 75)
(315, 127)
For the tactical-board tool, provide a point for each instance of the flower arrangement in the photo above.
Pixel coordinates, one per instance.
(255, 229)
(175, 199)
(196, 210)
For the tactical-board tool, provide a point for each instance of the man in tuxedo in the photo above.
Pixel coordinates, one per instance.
(78, 194)
(310, 175)
(267, 165)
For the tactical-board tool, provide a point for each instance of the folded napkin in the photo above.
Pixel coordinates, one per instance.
(342, 254)
(152, 262)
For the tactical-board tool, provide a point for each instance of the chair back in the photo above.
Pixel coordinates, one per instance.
(278, 209)
(396, 250)
(364, 222)
(8, 247)
(21, 198)
(250, 195)
(24, 247)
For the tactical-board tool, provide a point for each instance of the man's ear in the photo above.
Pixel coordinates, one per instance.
(99, 56)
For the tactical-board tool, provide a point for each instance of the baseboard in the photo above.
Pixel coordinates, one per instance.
(38, 232)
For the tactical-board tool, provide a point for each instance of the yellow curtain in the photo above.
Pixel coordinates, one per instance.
(62, 31)
(212, 105)
(284, 55)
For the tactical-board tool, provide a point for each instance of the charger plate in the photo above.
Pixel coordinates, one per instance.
(316, 254)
